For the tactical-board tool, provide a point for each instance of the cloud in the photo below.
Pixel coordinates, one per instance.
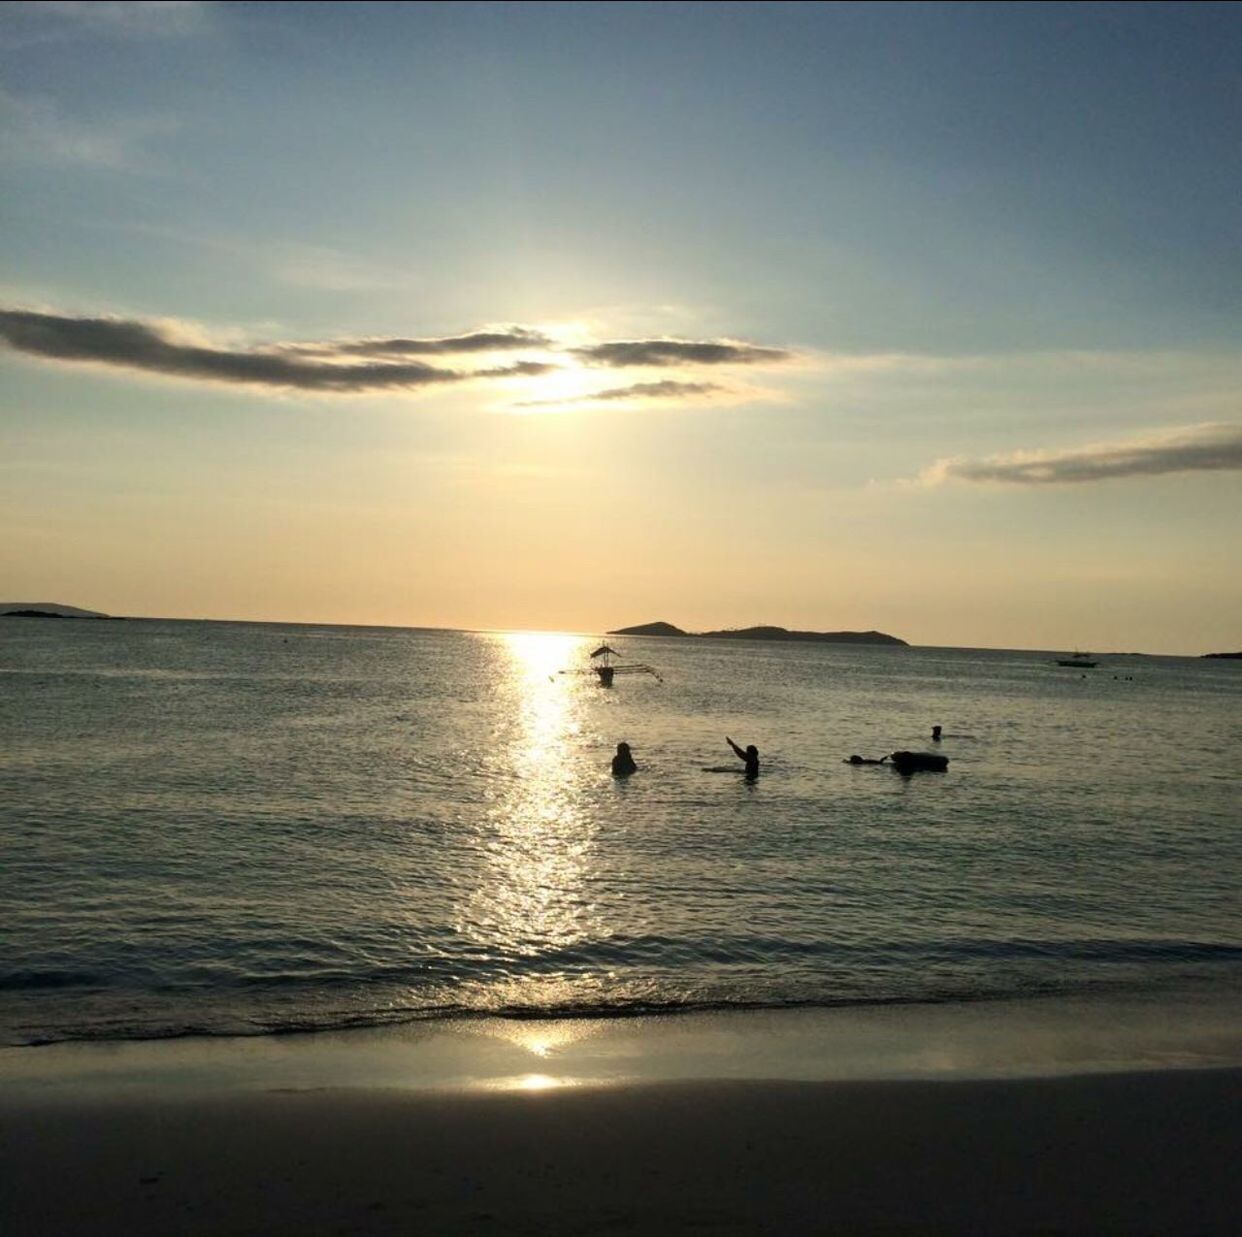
(33, 128)
(321, 267)
(663, 390)
(1212, 447)
(520, 369)
(625, 352)
(177, 351)
(181, 350)
(476, 341)
(667, 389)
(51, 21)
(312, 266)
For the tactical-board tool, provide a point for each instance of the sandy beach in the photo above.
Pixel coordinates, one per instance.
(1146, 1153)
(1028, 1118)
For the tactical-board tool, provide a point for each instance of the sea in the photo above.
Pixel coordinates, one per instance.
(223, 829)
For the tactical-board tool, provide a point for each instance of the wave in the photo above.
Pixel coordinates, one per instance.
(658, 959)
(221, 1024)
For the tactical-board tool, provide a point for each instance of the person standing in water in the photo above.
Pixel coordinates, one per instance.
(623, 762)
(749, 757)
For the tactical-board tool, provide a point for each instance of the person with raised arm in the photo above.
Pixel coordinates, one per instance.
(749, 757)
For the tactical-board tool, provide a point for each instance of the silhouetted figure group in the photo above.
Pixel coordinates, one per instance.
(904, 762)
(910, 762)
(623, 762)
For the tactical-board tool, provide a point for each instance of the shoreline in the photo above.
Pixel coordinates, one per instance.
(1051, 1036)
(1037, 1117)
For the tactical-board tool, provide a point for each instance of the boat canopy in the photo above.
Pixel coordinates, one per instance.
(603, 666)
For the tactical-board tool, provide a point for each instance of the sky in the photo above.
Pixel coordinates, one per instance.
(919, 318)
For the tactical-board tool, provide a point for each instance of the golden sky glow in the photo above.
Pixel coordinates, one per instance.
(823, 344)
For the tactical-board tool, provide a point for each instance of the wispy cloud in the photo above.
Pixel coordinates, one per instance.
(477, 341)
(668, 389)
(53, 21)
(33, 128)
(322, 268)
(314, 266)
(1213, 447)
(179, 351)
(621, 353)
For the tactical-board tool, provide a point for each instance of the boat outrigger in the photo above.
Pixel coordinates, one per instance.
(1080, 660)
(605, 668)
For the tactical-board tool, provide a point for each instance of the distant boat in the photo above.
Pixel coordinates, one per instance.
(1079, 661)
(605, 668)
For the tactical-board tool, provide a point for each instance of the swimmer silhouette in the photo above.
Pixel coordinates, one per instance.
(749, 757)
(935, 734)
(623, 763)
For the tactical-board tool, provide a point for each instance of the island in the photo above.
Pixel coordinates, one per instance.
(47, 610)
(762, 633)
(1230, 655)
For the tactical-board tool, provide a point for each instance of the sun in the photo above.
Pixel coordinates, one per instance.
(562, 389)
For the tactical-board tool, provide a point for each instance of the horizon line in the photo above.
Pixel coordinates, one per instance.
(561, 631)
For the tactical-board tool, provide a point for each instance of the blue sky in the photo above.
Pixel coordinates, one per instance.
(942, 242)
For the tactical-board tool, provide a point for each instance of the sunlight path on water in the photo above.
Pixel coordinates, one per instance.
(538, 842)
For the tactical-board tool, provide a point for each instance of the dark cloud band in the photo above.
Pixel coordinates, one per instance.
(477, 341)
(134, 345)
(347, 366)
(1200, 448)
(624, 352)
(137, 345)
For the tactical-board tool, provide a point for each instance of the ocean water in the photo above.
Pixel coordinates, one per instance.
(225, 828)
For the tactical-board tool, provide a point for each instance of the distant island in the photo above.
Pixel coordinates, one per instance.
(762, 633)
(46, 610)
(1222, 654)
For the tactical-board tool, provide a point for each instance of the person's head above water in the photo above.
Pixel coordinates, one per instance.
(751, 750)
(623, 763)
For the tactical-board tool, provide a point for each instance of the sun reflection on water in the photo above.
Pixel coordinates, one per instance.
(533, 901)
(545, 705)
(530, 1083)
(543, 1039)
(538, 1082)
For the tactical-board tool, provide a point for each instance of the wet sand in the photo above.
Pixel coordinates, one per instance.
(1011, 1118)
(1122, 1153)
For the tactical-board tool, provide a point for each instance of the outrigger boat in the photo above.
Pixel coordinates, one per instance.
(1081, 660)
(605, 668)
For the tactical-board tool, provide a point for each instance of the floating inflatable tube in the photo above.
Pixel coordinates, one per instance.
(918, 762)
